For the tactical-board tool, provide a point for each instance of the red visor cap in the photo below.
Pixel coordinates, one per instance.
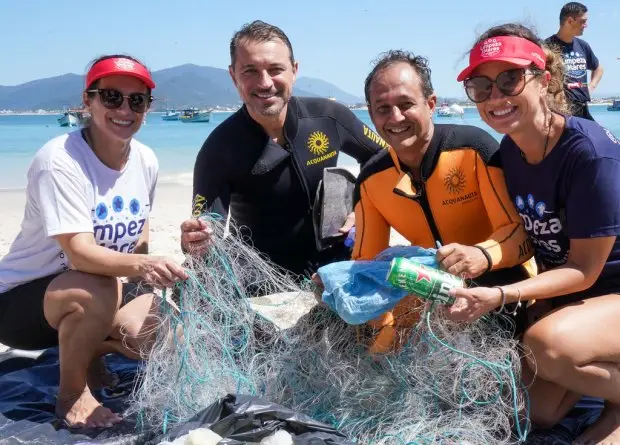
(119, 66)
(516, 50)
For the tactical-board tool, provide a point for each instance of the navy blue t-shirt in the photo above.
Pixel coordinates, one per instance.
(578, 59)
(573, 193)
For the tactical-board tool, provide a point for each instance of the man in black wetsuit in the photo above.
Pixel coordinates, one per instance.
(264, 163)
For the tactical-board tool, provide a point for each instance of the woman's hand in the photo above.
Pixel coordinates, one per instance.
(161, 271)
(473, 303)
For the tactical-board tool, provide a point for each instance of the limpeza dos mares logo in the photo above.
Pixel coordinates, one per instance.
(544, 227)
(117, 223)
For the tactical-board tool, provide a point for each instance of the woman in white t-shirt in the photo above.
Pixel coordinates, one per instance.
(86, 223)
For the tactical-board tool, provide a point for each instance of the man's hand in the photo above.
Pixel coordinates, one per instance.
(318, 287)
(591, 87)
(462, 261)
(196, 236)
(348, 223)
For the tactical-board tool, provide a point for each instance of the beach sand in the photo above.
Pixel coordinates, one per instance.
(172, 207)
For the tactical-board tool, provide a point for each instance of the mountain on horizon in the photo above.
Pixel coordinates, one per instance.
(177, 87)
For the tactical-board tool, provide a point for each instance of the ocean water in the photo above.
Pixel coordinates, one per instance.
(175, 143)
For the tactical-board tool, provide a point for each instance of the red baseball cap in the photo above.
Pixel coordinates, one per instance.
(516, 50)
(121, 66)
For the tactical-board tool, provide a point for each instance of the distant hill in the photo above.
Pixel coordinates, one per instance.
(181, 86)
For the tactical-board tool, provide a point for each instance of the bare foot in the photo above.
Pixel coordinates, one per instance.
(83, 411)
(605, 431)
(99, 376)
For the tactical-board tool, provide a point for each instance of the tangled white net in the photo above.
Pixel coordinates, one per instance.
(449, 383)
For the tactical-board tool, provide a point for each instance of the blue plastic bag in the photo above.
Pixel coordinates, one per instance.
(358, 290)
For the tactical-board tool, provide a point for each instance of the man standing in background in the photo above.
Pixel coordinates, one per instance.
(578, 58)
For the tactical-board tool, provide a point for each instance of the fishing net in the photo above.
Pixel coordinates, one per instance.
(241, 325)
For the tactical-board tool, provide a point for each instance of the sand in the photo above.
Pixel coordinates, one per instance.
(172, 207)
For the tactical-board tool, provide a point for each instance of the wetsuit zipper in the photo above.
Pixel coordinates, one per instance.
(426, 208)
(300, 175)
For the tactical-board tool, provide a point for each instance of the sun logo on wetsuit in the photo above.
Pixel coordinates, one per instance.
(454, 181)
(318, 143)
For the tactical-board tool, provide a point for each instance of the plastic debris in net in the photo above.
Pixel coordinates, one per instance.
(358, 290)
(199, 436)
(241, 419)
(280, 437)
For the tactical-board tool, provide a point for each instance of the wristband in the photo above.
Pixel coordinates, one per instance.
(487, 256)
(501, 308)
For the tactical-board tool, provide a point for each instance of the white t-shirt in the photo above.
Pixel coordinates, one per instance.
(71, 191)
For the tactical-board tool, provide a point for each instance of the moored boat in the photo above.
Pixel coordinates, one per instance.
(195, 115)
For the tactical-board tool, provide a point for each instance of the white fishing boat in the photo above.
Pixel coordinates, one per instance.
(71, 118)
(195, 115)
(171, 115)
(454, 110)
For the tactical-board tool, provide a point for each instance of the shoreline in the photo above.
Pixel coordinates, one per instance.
(58, 112)
(168, 179)
(183, 179)
(172, 206)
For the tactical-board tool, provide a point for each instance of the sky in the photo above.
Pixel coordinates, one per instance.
(334, 40)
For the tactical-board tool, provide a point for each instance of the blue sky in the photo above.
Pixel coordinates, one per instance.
(334, 40)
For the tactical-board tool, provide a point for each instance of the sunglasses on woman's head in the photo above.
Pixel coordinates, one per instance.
(509, 83)
(113, 99)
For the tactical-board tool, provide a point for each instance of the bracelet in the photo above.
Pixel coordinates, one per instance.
(487, 256)
(518, 305)
(503, 299)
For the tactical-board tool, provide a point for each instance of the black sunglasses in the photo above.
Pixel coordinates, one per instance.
(509, 83)
(113, 99)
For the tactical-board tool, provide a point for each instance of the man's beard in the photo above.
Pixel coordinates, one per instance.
(276, 108)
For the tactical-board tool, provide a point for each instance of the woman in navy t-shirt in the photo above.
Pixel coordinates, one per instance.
(563, 175)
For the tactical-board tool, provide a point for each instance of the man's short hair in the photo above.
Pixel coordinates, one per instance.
(392, 57)
(572, 9)
(258, 31)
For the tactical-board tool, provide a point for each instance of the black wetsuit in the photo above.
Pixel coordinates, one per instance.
(270, 188)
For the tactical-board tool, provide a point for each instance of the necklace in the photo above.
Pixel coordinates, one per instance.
(547, 138)
(544, 155)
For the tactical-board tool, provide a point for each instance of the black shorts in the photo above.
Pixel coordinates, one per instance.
(22, 321)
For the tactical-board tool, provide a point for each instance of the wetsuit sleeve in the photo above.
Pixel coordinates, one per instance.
(357, 139)
(211, 180)
(508, 244)
(372, 231)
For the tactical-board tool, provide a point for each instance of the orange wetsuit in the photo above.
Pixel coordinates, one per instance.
(461, 198)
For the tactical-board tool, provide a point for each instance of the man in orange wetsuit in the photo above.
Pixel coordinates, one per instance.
(437, 185)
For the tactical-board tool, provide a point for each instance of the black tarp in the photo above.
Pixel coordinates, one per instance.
(28, 387)
(27, 393)
(241, 419)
